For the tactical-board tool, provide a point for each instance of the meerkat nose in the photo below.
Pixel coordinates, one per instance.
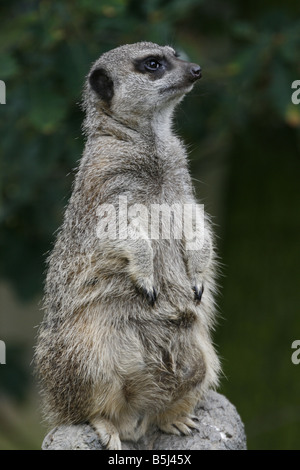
(195, 71)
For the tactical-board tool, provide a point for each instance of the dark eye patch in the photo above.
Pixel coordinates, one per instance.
(155, 66)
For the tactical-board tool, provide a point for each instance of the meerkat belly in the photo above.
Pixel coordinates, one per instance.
(166, 365)
(182, 367)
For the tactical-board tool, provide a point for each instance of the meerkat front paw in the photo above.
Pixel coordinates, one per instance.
(146, 288)
(140, 269)
(183, 425)
(196, 277)
(150, 295)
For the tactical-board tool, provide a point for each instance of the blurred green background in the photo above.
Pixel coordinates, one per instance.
(243, 134)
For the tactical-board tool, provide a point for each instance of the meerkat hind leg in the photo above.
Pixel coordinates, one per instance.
(179, 419)
(107, 432)
(180, 425)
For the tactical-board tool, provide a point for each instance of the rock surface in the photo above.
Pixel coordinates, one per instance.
(220, 428)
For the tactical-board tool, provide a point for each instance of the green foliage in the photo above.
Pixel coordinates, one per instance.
(250, 57)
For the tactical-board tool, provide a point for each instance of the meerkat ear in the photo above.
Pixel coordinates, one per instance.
(102, 84)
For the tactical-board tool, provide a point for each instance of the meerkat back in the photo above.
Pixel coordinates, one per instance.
(129, 297)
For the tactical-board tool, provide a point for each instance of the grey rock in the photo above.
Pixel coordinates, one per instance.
(220, 428)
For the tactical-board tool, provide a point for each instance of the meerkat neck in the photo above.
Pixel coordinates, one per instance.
(156, 128)
(102, 124)
(161, 125)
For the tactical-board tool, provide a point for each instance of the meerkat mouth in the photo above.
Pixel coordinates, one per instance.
(177, 89)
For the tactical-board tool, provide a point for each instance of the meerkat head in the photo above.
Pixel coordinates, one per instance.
(135, 81)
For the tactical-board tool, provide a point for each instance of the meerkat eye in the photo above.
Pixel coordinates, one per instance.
(152, 64)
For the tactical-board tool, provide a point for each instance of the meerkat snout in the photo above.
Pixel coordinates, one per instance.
(196, 71)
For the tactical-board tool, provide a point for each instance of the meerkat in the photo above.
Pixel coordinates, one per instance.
(125, 343)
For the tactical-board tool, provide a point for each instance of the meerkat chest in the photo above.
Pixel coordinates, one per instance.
(169, 180)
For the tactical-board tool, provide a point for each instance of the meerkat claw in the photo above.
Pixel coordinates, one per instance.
(198, 291)
(151, 296)
(194, 418)
(182, 426)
